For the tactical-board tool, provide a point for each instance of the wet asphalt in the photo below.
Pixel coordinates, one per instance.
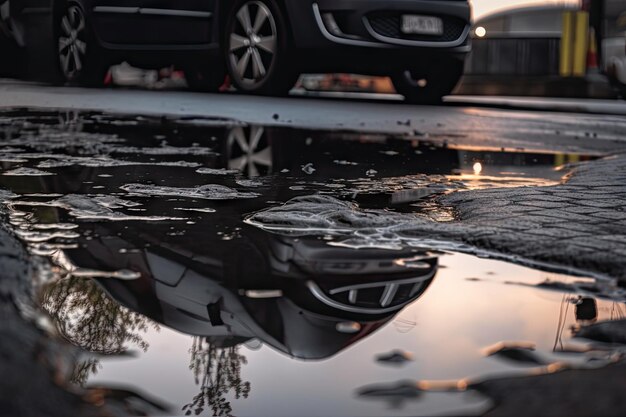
(308, 225)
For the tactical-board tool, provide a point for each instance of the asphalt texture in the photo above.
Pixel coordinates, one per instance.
(580, 223)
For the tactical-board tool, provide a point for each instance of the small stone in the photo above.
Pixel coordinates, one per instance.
(395, 357)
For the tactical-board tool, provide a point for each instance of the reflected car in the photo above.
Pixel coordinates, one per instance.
(298, 295)
(263, 45)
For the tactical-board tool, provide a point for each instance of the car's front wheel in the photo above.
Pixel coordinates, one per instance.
(66, 50)
(428, 86)
(256, 48)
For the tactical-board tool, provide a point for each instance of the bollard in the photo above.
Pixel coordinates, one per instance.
(574, 44)
(581, 44)
(567, 43)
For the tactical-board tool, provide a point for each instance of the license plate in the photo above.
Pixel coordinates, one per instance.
(421, 25)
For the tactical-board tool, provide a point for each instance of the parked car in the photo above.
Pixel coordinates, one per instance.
(263, 45)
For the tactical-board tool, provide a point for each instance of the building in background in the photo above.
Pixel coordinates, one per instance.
(613, 50)
(550, 50)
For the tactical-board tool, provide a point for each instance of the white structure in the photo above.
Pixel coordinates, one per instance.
(614, 40)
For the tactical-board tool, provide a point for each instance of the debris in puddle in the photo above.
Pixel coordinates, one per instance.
(344, 162)
(395, 357)
(27, 172)
(214, 171)
(61, 161)
(308, 169)
(605, 332)
(162, 150)
(371, 172)
(519, 352)
(198, 209)
(249, 183)
(403, 390)
(206, 192)
(94, 208)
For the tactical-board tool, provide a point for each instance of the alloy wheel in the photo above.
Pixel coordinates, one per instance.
(72, 44)
(252, 44)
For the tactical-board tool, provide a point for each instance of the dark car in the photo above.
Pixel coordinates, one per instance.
(263, 45)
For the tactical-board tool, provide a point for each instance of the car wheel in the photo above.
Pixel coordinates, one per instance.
(256, 47)
(71, 54)
(428, 87)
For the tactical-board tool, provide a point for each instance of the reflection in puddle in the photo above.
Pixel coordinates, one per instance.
(316, 304)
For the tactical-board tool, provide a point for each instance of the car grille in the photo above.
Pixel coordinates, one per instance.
(382, 296)
(374, 297)
(388, 25)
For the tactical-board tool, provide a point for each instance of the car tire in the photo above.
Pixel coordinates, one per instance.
(256, 48)
(65, 49)
(430, 86)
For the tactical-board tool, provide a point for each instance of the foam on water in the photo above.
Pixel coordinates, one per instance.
(327, 215)
(104, 162)
(95, 208)
(249, 183)
(162, 150)
(27, 172)
(213, 171)
(205, 192)
(197, 209)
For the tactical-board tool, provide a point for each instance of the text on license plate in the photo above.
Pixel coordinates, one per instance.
(422, 25)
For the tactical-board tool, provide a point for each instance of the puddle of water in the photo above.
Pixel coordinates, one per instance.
(280, 315)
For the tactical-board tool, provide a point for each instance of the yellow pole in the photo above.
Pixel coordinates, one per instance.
(581, 44)
(567, 36)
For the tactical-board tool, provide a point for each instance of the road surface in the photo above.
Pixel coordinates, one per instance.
(456, 124)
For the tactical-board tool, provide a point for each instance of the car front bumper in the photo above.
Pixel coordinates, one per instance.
(375, 24)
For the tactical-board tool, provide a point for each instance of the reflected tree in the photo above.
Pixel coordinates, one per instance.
(88, 318)
(218, 372)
